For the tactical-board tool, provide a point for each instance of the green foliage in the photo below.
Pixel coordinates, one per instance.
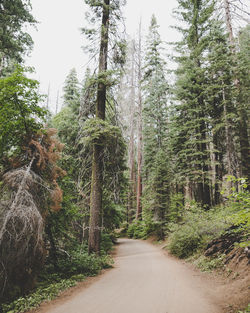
(73, 266)
(106, 242)
(20, 113)
(185, 241)
(71, 97)
(239, 203)
(142, 229)
(208, 264)
(33, 300)
(14, 41)
(176, 207)
(98, 131)
(80, 262)
(197, 229)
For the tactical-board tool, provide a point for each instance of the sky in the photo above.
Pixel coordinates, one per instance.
(58, 40)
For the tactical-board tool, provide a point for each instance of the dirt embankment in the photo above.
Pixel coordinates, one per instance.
(236, 274)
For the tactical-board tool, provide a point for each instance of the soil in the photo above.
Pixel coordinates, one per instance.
(146, 279)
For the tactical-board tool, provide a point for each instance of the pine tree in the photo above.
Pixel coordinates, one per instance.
(71, 96)
(107, 12)
(14, 41)
(192, 140)
(155, 123)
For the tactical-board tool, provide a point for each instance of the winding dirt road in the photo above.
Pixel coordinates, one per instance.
(144, 280)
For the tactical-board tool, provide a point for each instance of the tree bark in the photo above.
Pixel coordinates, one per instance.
(97, 158)
(132, 175)
(139, 145)
(243, 120)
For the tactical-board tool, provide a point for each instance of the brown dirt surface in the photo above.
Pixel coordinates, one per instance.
(147, 280)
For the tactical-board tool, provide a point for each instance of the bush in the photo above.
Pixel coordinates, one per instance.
(197, 229)
(185, 241)
(80, 262)
(41, 294)
(142, 229)
(107, 241)
(207, 264)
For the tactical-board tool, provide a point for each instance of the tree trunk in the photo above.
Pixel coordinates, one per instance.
(243, 122)
(97, 159)
(139, 146)
(132, 174)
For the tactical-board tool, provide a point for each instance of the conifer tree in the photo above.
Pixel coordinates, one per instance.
(106, 12)
(71, 96)
(155, 123)
(192, 143)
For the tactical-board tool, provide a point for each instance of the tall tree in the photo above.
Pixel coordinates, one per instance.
(243, 118)
(131, 148)
(107, 12)
(14, 41)
(96, 182)
(139, 125)
(155, 123)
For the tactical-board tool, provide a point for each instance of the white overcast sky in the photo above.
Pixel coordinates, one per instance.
(58, 40)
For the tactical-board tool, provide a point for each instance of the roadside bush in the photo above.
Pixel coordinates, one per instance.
(136, 230)
(79, 262)
(142, 229)
(208, 264)
(107, 241)
(185, 241)
(197, 229)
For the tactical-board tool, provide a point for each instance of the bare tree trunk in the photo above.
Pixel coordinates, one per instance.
(97, 159)
(229, 22)
(132, 176)
(139, 147)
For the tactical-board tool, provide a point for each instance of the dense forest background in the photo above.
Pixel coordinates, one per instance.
(137, 146)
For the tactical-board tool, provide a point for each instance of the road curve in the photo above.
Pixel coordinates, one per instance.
(144, 280)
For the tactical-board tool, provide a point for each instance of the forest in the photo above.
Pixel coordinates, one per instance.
(148, 144)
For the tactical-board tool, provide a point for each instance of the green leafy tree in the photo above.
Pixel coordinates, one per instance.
(20, 113)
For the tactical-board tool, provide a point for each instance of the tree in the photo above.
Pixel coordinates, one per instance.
(139, 130)
(107, 13)
(14, 41)
(20, 113)
(155, 123)
(71, 96)
(192, 141)
(230, 9)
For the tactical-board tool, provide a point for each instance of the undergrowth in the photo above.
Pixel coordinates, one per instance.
(72, 266)
(197, 228)
(247, 309)
(208, 264)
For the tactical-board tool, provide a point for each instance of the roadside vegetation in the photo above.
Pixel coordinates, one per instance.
(162, 152)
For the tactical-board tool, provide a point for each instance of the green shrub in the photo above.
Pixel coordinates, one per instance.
(142, 229)
(185, 241)
(207, 264)
(80, 262)
(197, 229)
(41, 294)
(107, 241)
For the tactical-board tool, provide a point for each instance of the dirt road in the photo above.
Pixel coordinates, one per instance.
(144, 280)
